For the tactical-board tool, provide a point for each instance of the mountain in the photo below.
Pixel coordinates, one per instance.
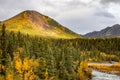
(113, 31)
(33, 23)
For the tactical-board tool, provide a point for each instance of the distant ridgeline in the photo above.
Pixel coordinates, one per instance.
(113, 31)
(27, 57)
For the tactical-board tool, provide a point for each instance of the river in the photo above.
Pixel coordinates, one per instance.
(104, 76)
(101, 75)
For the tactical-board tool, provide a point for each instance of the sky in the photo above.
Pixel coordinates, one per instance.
(80, 16)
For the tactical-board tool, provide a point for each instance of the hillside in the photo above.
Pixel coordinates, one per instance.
(113, 31)
(34, 23)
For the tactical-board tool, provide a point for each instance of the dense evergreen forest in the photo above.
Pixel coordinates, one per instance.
(26, 57)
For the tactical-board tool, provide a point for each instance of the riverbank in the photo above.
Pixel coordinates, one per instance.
(107, 68)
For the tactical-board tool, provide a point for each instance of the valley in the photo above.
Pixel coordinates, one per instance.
(35, 47)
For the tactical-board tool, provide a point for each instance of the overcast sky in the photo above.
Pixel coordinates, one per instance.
(81, 16)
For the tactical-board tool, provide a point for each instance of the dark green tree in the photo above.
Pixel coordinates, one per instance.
(4, 52)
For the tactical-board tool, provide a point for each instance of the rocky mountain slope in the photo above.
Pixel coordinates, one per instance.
(113, 31)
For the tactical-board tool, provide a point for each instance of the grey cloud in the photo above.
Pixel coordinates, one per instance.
(76, 3)
(104, 14)
(93, 23)
(84, 18)
(9, 8)
(64, 5)
(110, 1)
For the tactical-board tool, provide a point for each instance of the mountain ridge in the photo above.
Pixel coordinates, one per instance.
(113, 31)
(34, 23)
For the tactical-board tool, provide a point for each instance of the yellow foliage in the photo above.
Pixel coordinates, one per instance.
(24, 68)
(3, 67)
(29, 75)
(36, 63)
(108, 56)
(46, 74)
(9, 77)
(18, 65)
(89, 59)
(26, 65)
(1, 77)
(16, 55)
(83, 71)
(32, 76)
(20, 50)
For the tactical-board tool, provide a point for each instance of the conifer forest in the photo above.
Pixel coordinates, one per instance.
(27, 57)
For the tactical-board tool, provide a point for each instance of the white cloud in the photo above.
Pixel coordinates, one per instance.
(86, 1)
(115, 10)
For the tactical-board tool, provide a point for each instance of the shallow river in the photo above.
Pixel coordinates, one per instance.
(104, 76)
(101, 75)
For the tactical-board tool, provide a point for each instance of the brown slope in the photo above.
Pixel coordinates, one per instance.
(34, 23)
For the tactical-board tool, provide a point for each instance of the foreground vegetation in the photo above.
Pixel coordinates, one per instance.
(26, 57)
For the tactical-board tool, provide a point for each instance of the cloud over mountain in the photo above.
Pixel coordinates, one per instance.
(81, 16)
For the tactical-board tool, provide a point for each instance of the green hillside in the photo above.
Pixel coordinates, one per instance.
(34, 23)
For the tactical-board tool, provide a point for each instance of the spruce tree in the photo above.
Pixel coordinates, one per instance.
(4, 52)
